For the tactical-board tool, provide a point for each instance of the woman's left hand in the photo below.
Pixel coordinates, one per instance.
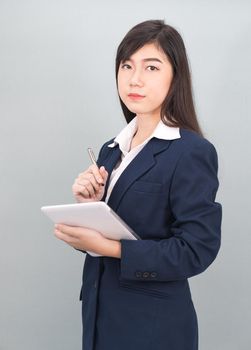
(89, 240)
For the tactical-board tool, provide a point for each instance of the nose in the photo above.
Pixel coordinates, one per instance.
(136, 78)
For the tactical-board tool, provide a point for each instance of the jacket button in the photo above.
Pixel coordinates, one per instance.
(153, 274)
(138, 274)
(146, 274)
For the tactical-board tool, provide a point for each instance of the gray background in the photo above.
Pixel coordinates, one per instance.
(57, 97)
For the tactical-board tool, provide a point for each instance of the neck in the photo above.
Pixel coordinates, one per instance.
(146, 125)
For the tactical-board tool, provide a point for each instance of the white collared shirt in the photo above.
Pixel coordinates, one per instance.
(124, 139)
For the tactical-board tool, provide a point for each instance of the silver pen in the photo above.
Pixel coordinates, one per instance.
(93, 159)
(92, 156)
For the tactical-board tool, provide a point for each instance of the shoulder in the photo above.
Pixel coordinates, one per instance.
(194, 148)
(190, 139)
(190, 142)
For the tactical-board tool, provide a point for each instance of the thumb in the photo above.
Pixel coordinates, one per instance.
(103, 172)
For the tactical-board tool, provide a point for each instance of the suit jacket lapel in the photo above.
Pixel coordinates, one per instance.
(109, 163)
(143, 162)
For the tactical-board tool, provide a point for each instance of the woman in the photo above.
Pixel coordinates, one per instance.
(160, 176)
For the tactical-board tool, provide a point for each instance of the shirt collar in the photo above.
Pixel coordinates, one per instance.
(162, 131)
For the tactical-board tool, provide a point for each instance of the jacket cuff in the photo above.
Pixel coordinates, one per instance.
(131, 268)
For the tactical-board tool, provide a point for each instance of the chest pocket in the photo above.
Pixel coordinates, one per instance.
(147, 187)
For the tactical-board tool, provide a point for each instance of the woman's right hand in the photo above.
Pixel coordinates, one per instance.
(89, 186)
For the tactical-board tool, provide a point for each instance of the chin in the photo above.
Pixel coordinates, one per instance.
(136, 110)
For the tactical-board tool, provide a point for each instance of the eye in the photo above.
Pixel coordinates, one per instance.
(152, 68)
(125, 66)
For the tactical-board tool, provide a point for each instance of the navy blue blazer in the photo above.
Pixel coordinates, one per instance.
(167, 196)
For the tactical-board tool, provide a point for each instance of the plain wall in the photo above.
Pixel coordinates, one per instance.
(58, 97)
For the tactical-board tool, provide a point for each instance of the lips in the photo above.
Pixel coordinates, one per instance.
(135, 97)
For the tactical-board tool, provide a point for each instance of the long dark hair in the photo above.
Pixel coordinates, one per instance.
(178, 107)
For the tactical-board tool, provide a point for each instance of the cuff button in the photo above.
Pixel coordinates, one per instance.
(146, 274)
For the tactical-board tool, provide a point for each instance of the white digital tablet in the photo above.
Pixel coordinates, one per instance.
(94, 215)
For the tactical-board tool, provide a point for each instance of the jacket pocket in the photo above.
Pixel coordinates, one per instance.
(146, 291)
(163, 290)
(147, 187)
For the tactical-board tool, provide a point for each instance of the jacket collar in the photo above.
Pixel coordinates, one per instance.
(162, 131)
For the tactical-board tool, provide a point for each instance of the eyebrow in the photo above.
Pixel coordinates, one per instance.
(146, 59)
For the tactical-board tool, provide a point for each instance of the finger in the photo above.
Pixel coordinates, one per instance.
(104, 173)
(68, 230)
(80, 190)
(91, 191)
(85, 189)
(98, 176)
(87, 180)
(65, 237)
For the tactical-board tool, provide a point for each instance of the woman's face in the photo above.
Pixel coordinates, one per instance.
(144, 80)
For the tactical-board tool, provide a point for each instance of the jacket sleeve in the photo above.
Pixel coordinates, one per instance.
(195, 230)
